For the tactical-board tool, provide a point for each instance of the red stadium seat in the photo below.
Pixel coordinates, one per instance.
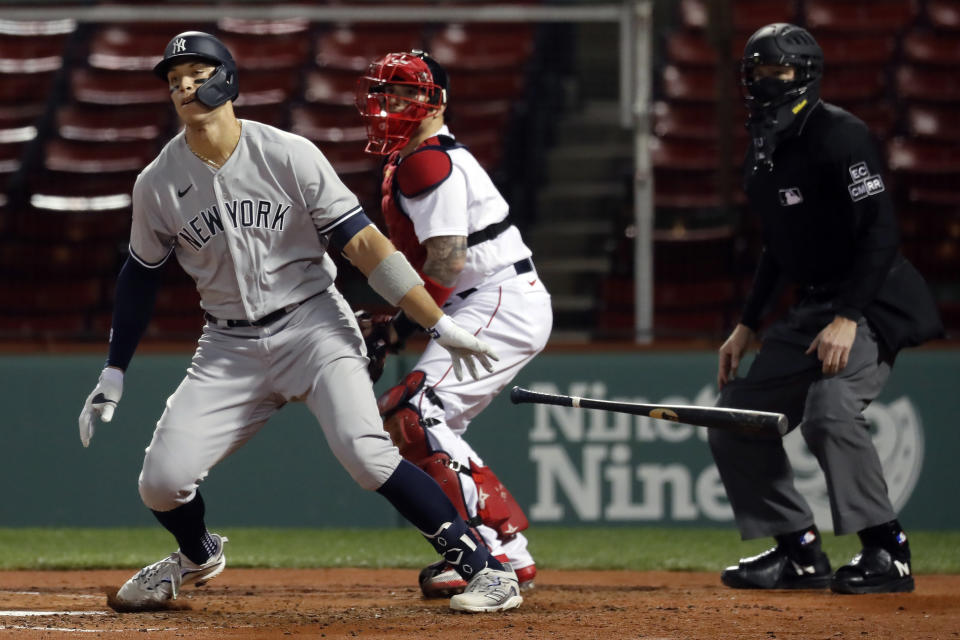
(281, 27)
(102, 123)
(25, 88)
(923, 157)
(38, 28)
(71, 191)
(936, 122)
(486, 147)
(69, 156)
(480, 115)
(849, 84)
(349, 158)
(889, 16)
(121, 47)
(55, 296)
(354, 47)
(72, 228)
(692, 155)
(262, 52)
(99, 86)
(485, 85)
(689, 85)
(930, 48)
(944, 14)
(268, 87)
(857, 48)
(331, 86)
(691, 48)
(10, 157)
(482, 47)
(694, 121)
(62, 324)
(35, 54)
(929, 85)
(42, 259)
(328, 123)
(747, 15)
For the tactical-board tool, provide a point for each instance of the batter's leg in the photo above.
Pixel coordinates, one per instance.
(342, 400)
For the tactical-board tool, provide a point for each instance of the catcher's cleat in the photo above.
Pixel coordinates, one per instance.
(440, 580)
(488, 591)
(774, 569)
(161, 581)
(874, 570)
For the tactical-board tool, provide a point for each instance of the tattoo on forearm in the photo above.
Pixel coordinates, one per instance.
(446, 256)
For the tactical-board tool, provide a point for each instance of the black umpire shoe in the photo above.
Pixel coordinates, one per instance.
(874, 570)
(774, 569)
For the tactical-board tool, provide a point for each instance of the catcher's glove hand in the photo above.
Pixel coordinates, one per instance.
(379, 337)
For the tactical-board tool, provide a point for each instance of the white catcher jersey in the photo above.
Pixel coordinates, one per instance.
(465, 202)
(254, 239)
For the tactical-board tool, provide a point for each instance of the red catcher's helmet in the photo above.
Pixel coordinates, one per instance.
(397, 93)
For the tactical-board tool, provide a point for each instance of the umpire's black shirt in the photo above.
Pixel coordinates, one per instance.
(829, 228)
(827, 218)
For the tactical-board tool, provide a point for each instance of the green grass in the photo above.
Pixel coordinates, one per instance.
(635, 548)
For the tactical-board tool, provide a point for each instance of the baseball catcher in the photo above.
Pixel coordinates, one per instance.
(445, 215)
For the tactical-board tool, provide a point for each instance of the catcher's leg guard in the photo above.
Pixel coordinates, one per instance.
(496, 507)
(408, 431)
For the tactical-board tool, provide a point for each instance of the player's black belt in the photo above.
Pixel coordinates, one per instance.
(270, 318)
(523, 266)
(489, 232)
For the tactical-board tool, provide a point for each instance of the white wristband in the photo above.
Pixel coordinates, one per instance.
(393, 278)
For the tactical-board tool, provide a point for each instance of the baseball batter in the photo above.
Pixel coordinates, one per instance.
(445, 214)
(249, 212)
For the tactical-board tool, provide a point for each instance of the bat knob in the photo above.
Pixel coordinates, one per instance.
(515, 395)
(783, 425)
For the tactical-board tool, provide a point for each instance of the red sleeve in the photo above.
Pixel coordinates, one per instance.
(422, 171)
(437, 291)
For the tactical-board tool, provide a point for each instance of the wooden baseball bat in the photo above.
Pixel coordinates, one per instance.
(738, 420)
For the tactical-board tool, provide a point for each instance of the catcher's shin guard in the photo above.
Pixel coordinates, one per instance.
(496, 506)
(408, 431)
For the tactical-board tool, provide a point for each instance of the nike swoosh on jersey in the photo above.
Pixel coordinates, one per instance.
(532, 282)
(180, 194)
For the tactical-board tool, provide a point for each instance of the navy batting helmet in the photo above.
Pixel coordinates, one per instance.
(222, 84)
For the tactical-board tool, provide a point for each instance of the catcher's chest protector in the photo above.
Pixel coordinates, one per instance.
(399, 226)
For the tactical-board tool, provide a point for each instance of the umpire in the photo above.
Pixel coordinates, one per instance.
(813, 176)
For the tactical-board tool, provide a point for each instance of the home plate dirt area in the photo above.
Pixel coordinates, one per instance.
(384, 603)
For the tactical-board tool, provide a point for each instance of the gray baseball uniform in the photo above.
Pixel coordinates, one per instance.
(255, 240)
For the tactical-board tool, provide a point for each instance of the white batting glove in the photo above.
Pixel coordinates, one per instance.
(462, 346)
(101, 402)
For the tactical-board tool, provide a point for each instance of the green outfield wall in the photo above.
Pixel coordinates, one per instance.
(565, 466)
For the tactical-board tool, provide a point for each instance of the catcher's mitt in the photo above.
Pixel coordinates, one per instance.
(376, 335)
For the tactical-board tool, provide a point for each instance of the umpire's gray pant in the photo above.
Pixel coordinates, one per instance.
(829, 410)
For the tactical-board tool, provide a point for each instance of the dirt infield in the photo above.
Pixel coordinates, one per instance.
(352, 603)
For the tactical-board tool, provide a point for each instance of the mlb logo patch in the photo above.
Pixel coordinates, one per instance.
(790, 196)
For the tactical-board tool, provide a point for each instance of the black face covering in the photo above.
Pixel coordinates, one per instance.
(778, 108)
(769, 89)
(777, 112)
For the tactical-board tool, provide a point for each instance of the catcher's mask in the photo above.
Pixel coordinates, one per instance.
(398, 92)
(776, 105)
(196, 45)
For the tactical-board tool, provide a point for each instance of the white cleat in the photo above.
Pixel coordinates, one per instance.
(488, 591)
(161, 581)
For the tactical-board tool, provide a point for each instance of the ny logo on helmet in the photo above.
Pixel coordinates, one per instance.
(180, 45)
